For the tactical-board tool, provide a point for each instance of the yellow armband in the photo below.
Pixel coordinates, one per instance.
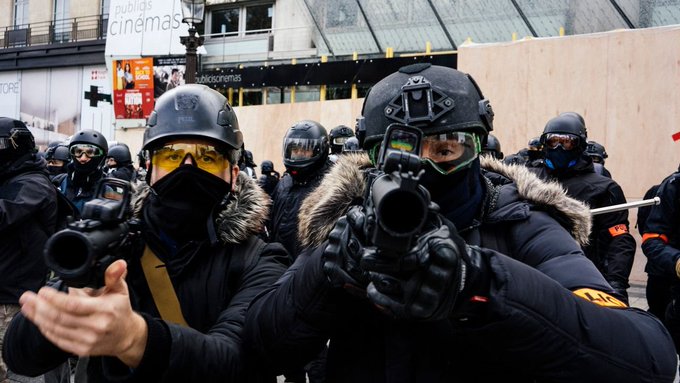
(599, 298)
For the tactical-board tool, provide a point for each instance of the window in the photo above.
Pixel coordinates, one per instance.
(241, 21)
(62, 26)
(225, 21)
(259, 18)
(20, 12)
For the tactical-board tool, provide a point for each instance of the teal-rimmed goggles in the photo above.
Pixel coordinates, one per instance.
(446, 152)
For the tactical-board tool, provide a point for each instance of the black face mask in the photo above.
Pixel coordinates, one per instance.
(88, 167)
(184, 201)
(55, 170)
(459, 195)
(560, 159)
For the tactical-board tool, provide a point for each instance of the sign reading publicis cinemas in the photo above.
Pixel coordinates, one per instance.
(231, 80)
(145, 28)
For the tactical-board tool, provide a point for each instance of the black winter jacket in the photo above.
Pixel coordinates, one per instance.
(611, 247)
(287, 198)
(533, 328)
(79, 188)
(214, 289)
(661, 244)
(28, 216)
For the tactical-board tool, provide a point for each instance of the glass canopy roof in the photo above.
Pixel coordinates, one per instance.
(371, 26)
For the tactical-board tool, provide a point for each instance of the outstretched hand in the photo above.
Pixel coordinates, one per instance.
(89, 322)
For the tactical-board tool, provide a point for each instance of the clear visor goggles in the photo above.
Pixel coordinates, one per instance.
(445, 152)
(301, 149)
(88, 150)
(565, 140)
(205, 157)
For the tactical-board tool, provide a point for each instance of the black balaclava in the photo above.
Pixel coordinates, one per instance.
(459, 195)
(182, 203)
(56, 170)
(559, 159)
(86, 173)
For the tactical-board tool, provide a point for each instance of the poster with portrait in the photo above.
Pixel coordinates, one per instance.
(168, 73)
(133, 88)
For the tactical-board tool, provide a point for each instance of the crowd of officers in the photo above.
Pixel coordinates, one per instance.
(225, 276)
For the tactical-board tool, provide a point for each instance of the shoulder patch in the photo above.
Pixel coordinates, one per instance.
(599, 298)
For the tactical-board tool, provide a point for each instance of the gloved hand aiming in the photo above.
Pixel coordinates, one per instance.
(344, 251)
(429, 281)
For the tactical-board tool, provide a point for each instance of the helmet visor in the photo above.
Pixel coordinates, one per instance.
(88, 150)
(451, 151)
(300, 150)
(567, 141)
(340, 140)
(206, 157)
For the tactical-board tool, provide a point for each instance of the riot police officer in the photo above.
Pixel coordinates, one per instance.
(269, 177)
(57, 157)
(611, 246)
(492, 287)
(88, 150)
(305, 156)
(598, 154)
(492, 147)
(119, 163)
(337, 138)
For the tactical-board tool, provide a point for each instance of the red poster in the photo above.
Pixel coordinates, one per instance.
(133, 88)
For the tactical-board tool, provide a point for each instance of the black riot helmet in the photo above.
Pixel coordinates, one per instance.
(434, 98)
(565, 124)
(121, 154)
(564, 140)
(535, 144)
(305, 148)
(193, 111)
(57, 151)
(90, 137)
(596, 151)
(15, 140)
(576, 116)
(267, 166)
(338, 136)
(91, 143)
(248, 159)
(493, 147)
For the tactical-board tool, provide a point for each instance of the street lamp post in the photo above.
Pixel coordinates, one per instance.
(192, 14)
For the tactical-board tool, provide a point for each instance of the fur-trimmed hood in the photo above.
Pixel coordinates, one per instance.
(243, 216)
(345, 183)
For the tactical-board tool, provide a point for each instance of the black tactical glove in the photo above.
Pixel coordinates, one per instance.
(344, 251)
(426, 282)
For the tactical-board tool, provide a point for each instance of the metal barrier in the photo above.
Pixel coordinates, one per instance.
(54, 32)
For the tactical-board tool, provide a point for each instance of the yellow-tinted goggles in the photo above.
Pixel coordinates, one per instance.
(206, 157)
